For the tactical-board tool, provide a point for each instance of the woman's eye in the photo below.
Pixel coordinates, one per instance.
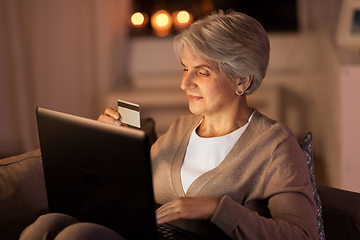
(185, 70)
(204, 74)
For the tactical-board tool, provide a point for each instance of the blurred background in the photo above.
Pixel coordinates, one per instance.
(80, 56)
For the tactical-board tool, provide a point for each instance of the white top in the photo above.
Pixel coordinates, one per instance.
(204, 154)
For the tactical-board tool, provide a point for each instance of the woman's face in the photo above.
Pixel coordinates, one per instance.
(209, 92)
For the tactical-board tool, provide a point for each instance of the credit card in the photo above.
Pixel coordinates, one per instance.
(129, 113)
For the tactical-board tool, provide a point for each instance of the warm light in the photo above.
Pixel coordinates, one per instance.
(137, 19)
(161, 23)
(162, 20)
(183, 17)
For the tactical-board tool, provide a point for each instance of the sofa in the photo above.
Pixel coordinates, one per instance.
(23, 199)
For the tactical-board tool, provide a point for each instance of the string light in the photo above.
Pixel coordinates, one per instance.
(181, 19)
(137, 19)
(161, 23)
(162, 20)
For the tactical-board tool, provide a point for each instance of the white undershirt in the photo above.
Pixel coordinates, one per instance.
(204, 154)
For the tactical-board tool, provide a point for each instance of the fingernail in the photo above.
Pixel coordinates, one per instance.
(116, 115)
(117, 122)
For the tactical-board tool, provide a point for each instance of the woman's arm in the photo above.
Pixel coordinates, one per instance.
(287, 194)
(187, 208)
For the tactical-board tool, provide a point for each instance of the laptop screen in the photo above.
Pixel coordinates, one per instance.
(98, 173)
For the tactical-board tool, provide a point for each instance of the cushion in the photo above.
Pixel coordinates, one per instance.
(306, 146)
(148, 126)
(22, 193)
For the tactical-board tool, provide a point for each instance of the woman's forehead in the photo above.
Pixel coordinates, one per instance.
(192, 57)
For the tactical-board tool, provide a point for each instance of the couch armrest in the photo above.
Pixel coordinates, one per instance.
(341, 213)
(22, 193)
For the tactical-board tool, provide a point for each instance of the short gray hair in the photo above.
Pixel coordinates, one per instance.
(234, 41)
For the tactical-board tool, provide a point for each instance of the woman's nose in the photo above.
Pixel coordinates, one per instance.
(187, 82)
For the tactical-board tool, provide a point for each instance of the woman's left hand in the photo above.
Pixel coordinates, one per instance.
(187, 208)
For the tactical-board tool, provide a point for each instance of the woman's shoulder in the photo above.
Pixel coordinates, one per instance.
(262, 124)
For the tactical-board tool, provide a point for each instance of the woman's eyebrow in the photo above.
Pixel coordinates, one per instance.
(198, 66)
(202, 66)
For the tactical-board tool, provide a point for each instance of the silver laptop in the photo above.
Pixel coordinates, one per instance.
(101, 173)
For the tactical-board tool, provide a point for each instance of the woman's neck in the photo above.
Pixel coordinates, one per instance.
(215, 126)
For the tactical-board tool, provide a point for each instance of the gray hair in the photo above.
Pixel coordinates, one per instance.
(235, 42)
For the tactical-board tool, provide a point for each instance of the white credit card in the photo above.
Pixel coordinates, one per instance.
(129, 113)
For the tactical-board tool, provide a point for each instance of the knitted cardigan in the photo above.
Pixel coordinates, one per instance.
(263, 182)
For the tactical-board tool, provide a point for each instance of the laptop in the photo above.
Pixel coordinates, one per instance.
(101, 173)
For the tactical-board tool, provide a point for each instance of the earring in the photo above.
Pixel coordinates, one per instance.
(239, 93)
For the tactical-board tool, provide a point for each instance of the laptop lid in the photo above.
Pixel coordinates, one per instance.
(98, 173)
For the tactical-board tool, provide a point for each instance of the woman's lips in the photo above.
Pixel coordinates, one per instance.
(194, 98)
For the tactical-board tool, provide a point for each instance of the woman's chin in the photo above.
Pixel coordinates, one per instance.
(195, 110)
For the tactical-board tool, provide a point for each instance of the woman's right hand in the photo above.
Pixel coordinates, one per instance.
(110, 116)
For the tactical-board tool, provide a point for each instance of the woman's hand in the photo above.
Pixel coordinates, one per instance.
(187, 208)
(110, 116)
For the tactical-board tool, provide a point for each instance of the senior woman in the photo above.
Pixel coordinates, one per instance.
(227, 162)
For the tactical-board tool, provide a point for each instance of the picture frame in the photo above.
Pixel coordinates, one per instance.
(348, 29)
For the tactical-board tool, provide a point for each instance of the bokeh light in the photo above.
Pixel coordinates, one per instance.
(137, 19)
(161, 23)
(162, 20)
(183, 17)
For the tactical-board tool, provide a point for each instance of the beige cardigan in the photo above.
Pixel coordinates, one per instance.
(264, 181)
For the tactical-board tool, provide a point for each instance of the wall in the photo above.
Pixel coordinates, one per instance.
(57, 54)
(350, 128)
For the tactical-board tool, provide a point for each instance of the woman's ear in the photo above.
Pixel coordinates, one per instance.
(243, 84)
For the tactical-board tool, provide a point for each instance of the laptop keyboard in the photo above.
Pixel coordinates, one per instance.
(165, 232)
